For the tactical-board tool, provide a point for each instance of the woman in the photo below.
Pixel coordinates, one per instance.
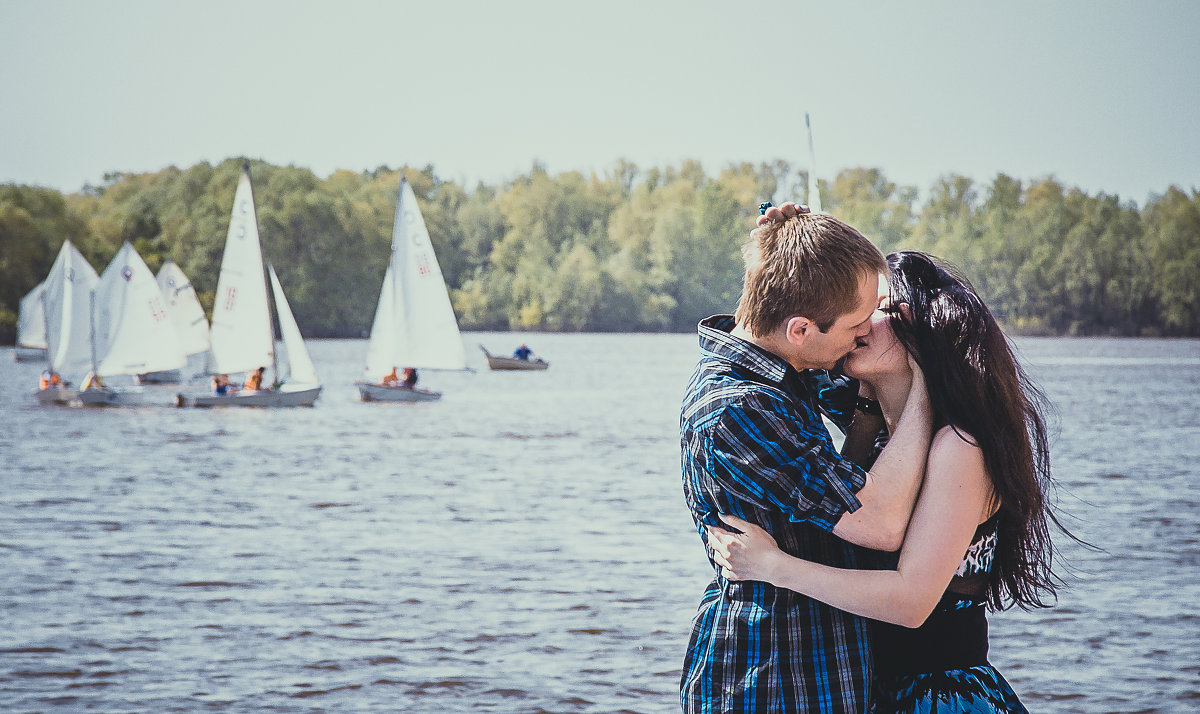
(982, 496)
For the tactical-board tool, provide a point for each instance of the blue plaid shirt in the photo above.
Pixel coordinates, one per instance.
(754, 445)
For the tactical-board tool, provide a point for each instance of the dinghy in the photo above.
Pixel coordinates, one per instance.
(242, 338)
(131, 331)
(67, 308)
(499, 362)
(414, 322)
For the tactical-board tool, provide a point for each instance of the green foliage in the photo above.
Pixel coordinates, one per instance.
(653, 249)
(33, 224)
(1173, 249)
(878, 208)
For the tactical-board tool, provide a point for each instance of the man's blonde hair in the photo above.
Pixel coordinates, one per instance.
(808, 266)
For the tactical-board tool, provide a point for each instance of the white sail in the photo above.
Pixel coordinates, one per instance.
(31, 324)
(132, 331)
(67, 303)
(300, 368)
(414, 323)
(814, 193)
(184, 308)
(241, 335)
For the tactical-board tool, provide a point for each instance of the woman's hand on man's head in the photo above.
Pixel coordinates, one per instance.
(775, 214)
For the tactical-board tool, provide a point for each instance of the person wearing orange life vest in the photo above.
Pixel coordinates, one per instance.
(50, 379)
(254, 381)
(391, 379)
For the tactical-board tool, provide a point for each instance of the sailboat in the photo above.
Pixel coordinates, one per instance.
(242, 338)
(67, 308)
(31, 327)
(132, 332)
(188, 317)
(414, 323)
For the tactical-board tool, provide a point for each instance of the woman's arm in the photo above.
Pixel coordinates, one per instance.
(859, 444)
(894, 480)
(954, 500)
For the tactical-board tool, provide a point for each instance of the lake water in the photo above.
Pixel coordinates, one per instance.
(519, 546)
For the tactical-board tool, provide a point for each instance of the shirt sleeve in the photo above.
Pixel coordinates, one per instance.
(763, 456)
(837, 397)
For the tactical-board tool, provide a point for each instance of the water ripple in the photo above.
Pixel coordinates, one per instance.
(520, 545)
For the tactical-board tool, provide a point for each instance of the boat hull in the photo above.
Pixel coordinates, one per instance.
(264, 398)
(369, 392)
(108, 397)
(58, 395)
(167, 376)
(512, 363)
(29, 354)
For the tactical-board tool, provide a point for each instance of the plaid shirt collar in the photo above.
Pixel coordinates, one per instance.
(716, 340)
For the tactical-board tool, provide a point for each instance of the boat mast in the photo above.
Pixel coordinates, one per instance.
(46, 331)
(265, 281)
(814, 193)
(92, 329)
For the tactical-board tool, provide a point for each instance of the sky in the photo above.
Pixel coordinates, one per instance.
(1100, 94)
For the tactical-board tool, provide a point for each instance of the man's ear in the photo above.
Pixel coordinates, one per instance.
(796, 329)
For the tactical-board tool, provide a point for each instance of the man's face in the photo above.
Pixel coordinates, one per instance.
(822, 350)
(879, 354)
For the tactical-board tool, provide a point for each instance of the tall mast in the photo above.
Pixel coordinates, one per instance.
(92, 325)
(265, 281)
(814, 192)
(46, 331)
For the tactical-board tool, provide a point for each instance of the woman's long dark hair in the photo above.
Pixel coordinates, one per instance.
(977, 387)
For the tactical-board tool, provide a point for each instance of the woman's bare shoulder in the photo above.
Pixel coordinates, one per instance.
(955, 453)
(956, 462)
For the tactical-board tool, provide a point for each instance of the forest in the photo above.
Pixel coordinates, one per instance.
(633, 250)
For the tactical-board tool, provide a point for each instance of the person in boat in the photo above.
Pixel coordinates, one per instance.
(254, 381)
(754, 444)
(391, 379)
(50, 380)
(523, 352)
(221, 384)
(92, 381)
(410, 377)
(983, 495)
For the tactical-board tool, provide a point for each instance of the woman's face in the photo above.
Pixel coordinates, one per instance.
(879, 355)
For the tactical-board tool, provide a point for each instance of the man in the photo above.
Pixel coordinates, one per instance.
(754, 445)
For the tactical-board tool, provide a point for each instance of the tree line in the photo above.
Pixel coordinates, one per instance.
(636, 249)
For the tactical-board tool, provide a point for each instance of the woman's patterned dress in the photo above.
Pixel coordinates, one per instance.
(941, 667)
